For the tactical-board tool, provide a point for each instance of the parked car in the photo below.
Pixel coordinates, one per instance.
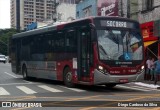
(3, 58)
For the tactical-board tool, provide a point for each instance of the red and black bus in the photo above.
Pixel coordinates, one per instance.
(91, 51)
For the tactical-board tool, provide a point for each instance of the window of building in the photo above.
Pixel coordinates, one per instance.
(87, 11)
(77, 14)
(147, 5)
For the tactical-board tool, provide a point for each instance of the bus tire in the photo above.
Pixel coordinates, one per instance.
(67, 77)
(24, 73)
(111, 85)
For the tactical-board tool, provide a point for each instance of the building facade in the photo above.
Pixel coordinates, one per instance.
(102, 8)
(134, 9)
(149, 10)
(149, 17)
(25, 12)
(66, 12)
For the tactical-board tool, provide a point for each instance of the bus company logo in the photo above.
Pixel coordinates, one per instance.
(125, 63)
(6, 104)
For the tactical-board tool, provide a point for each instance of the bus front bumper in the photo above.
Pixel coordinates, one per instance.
(101, 78)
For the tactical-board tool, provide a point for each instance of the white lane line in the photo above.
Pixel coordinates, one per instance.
(16, 77)
(16, 83)
(132, 88)
(26, 89)
(3, 91)
(49, 88)
(10, 75)
(74, 89)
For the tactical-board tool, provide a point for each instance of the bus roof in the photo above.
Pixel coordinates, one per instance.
(79, 22)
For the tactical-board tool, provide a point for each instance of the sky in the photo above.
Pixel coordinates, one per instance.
(4, 14)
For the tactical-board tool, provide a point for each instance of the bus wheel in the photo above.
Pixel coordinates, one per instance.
(67, 76)
(110, 85)
(24, 72)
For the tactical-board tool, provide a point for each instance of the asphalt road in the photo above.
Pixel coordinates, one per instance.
(26, 95)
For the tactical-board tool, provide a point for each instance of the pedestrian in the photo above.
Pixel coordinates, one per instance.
(152, 69)
(157, 70)
(148, 68)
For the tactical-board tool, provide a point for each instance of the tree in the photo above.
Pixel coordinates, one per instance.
(5, 34)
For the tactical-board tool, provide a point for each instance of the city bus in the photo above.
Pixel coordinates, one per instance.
(91, 51)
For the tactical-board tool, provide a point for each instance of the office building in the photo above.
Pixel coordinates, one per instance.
(25, 12)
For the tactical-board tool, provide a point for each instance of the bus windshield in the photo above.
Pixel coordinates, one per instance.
(119, 45)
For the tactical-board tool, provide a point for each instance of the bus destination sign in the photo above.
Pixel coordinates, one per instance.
(118, 24)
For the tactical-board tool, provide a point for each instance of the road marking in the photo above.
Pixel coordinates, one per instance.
(16, 77)
(132, 88)
(49, 88)
(26, 89)
(10, 75)
(3, 91)
(17, 83)
(74, 89)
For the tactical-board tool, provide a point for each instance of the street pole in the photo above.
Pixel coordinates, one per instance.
(128, 9)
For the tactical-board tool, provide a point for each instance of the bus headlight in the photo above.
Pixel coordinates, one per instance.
(101, 69)
(141, 70)
(142, 67)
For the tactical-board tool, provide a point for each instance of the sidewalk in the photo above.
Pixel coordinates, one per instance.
(149, 84)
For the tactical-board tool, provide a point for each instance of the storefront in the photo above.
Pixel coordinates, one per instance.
(151, 42)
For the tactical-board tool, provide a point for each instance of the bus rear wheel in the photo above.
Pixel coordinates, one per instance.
(67, 76)
(109, 86)
(24, 72)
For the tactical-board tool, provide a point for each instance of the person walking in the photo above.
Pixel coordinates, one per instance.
(157, 70)
(148, 68)
(152, 69)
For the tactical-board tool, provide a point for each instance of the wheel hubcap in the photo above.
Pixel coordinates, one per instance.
(24, 74)
(69, 77)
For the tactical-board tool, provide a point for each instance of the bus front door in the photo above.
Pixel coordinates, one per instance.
(83, 55)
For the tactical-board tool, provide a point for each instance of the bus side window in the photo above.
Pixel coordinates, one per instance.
(71, 42)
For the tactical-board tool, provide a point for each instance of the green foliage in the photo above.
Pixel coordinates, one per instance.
(5, 34)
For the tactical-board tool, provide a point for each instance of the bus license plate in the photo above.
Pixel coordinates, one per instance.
(123, 80)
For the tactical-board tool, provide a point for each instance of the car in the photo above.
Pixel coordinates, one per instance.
(3, 58)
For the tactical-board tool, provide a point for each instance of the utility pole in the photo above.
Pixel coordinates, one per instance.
(128, 8)
(121, 8)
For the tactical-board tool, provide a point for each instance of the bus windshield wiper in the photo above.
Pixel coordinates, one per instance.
(103, 50)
